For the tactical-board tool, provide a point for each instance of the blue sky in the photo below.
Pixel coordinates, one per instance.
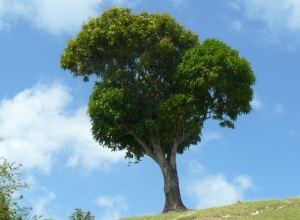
(43, 111)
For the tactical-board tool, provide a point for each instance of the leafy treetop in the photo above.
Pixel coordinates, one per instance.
(157, 84)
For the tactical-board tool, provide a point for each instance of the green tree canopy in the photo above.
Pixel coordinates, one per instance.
(157, 86)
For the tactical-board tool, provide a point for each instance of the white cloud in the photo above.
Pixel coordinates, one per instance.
(114, 206)
(280, 18)
(278, 109)
(234, 5)
(256, 103)
(209, 136)
(206, 137)
(195, 167)
(215, 190)
(40, 203)
(40, 125)
(237, 25)
(275, 13)
(39, 198)
(56, 16)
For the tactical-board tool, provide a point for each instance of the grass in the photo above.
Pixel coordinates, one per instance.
(287, 209)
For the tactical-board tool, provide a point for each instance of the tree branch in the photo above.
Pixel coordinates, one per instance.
(209, 112)
(145, 146)
(158, 151)
(173, 154)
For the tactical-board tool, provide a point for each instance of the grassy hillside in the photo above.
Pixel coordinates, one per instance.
(288, 209)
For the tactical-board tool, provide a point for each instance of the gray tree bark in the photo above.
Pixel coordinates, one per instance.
(167, 163)
(173, 201)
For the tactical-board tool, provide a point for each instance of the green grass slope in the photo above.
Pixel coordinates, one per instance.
(288, 209)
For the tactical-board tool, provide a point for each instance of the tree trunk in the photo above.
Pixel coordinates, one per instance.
(167, 164)
(173, 202)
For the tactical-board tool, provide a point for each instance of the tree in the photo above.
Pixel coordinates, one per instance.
(10, 188)
(81, 215)
(10, 182)
(157, 86)
(4, 207)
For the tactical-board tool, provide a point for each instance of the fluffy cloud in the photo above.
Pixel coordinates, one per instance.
(39, 198)
(277, 14)
(279, 19)
(215, 190)
(256, 103)
(40, 126)
(40, 203)
(113, 205)
(195, 167)
(233, 5)
(208, 137)
(55, 16)
(237, 25)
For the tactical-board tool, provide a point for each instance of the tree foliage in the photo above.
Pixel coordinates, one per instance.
(10, 182)
(11, 188)
(81, 215)
(158, 83)
(157, 86)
